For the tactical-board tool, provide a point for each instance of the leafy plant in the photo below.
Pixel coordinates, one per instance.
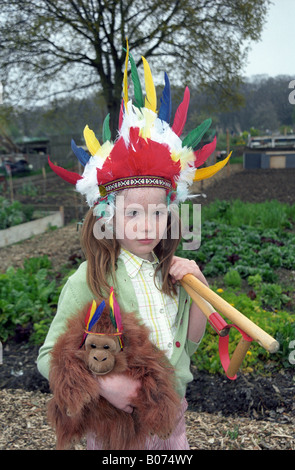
(28, 189)
(232, 278)
(243, 241)
(265, 215)
(280, 325)
(28, 295)
(248, 250)
(271, 295)
(13, 213)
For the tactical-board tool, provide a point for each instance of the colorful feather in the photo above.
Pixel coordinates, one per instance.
(207, 172)
(69, 176)
(141, 157)
(165, 108)
(194, 137)
(93, 315)
(121, 115)
(204, 153)
(181, 113)
(125, 76)
(150, 90)
(89, 314)
(91, 141)
(138, 95)
(106, 131)
(115, 315)
(80, 153)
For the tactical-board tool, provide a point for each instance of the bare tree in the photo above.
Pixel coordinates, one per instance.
(55, 46)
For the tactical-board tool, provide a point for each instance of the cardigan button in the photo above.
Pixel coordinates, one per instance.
(177, 344)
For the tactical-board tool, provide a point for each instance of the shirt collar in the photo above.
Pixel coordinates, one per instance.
(134, 263)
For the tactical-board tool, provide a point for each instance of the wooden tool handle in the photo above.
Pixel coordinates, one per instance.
(238, 357)
(206, 308)
(250, 328)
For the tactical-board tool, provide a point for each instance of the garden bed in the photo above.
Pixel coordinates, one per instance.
(254, 412)
(21, 232)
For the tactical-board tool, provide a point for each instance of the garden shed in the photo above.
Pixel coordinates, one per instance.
(270, 152)
(268, 159)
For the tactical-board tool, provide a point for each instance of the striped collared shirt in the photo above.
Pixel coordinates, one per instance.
(157, 310)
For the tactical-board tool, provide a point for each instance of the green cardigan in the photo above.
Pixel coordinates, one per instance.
(76, 294)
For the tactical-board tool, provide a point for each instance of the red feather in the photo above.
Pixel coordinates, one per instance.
(142, 157)
(87, 316)
(117, 312)
(121, 115)
(204, 153)
(68, 176)
(181, 113)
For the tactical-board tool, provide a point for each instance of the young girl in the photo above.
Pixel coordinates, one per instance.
(128, 237)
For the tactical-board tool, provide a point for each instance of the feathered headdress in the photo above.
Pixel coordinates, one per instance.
(147, 151)
(94, 313)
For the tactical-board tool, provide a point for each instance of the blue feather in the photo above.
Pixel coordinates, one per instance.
(97, 315)
(80, 153)
(165, 108)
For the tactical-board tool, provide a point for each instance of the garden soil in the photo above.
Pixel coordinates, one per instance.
(253, 412)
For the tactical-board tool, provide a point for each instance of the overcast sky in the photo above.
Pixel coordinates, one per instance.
(275, 53)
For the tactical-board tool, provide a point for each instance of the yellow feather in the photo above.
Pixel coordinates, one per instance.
(105, 150)
(207, 172)
(186, 156)
(91, 141)
(125, 79)
(149, 119)
(151, 96)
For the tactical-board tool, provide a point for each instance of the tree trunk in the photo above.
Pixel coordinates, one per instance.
(112, 91)
(114, 110)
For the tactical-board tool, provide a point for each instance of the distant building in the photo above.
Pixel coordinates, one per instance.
(36, 150)
(276, 151)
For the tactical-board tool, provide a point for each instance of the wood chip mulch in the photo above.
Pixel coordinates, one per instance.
(23, 426)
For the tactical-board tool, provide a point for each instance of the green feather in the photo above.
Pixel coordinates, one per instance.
(194, 136)
(106, 132)
(112, 317)
(138, 95)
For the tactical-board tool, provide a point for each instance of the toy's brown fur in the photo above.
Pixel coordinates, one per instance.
(77, 407)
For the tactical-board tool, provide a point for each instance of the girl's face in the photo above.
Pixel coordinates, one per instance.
(141, 220)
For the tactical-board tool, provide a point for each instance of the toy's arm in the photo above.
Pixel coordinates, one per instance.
(73, 385)
(74, 296)
(119, 389)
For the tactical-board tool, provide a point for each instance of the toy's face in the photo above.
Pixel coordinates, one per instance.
(101, 353)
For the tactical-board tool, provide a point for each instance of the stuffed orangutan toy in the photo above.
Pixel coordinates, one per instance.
(99, 341)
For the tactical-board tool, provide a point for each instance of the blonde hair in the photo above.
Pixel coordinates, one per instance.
(102, 254)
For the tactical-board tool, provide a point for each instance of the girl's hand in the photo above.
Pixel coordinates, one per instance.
(119, 389)
(197, 320)
(180, 267)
